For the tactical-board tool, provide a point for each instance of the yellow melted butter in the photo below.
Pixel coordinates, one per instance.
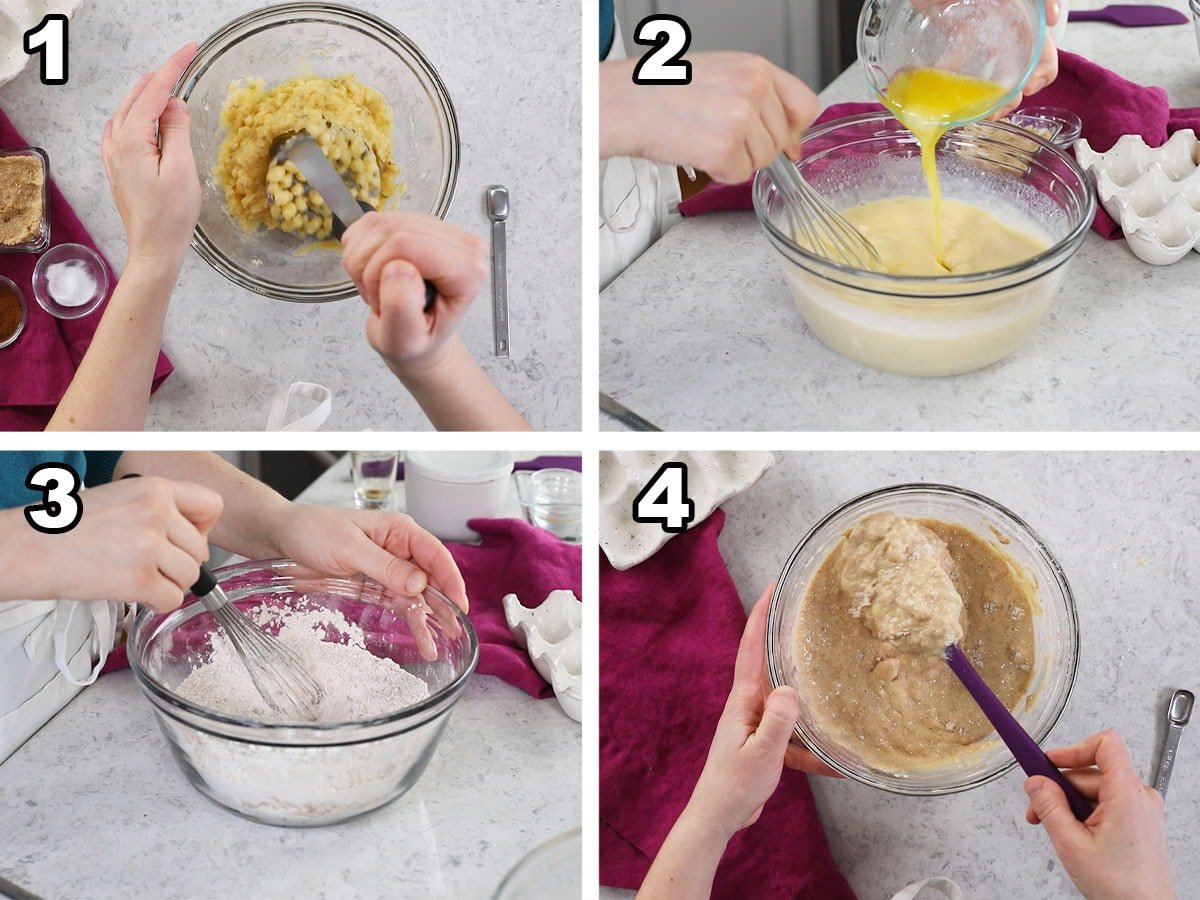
(973, 239)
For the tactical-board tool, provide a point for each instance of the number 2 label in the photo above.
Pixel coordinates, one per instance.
(664, 500)
(61, 507)
(670, 37)
(48, 39)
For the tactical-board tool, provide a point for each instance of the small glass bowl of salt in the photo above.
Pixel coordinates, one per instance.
(70, 281)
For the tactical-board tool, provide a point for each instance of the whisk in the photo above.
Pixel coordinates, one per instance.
(278, 673)
(819, 225)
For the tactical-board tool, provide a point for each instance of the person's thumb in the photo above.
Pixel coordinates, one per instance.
(778, 718)
(396, 574)
(174, 129)
(1050, 805)
(402, 300)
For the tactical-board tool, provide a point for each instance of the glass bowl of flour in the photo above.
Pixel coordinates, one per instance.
(391, 668)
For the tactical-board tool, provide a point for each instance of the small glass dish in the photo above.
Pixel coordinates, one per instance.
(77, 255)
(20, 295)
(552, 869)
(1055, 626)
(1059, 126)
(41, 240)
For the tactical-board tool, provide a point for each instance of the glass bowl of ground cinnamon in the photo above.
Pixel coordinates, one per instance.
(12, 312)
(24, 200)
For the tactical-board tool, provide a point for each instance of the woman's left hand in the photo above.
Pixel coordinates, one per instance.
(1046, 69)
(385, 546)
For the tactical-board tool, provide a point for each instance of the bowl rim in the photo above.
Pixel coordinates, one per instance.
(351, 729)
(285, 14)
(864, 279)
(958, 493)
(24, 304)
(71, 312)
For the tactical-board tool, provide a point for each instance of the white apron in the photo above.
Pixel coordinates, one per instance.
(49, 651)
(639, 203)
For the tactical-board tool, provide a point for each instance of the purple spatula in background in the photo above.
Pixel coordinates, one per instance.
(1028, 754)
(1129, 16)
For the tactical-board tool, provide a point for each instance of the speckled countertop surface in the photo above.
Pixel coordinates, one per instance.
(708, 303)
(513, 71)
(94, 806)
(1123, 527)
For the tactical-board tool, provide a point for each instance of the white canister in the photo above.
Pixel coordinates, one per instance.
(443, 491)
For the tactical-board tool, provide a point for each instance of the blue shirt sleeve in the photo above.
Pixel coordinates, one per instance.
(608, 27)
(93, 467)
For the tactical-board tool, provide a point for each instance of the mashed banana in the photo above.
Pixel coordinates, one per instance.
(351, 121)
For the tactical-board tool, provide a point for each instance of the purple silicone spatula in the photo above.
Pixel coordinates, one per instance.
(1129, 16)
(1029, 755)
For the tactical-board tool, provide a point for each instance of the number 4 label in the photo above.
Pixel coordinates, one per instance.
(664, 500)
(49, 40)
(670, 37)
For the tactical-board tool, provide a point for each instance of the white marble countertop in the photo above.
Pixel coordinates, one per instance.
(94, 806)
(1124, 529)
(513, 71)
(708, 303)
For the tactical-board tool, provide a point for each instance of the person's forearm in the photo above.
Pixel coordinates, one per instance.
(617, 131)
(687, 861)
(249, 522)
(111, 389)
(457, 395)
(20, 567)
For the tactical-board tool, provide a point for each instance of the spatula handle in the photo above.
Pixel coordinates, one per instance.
(1028, 754)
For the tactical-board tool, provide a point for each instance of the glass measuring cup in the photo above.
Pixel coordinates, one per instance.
(994, 42)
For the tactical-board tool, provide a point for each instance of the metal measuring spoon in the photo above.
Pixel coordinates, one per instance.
(1178, 713)
(497, 209)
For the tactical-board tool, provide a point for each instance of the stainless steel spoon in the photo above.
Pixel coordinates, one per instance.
(1178, 713)
(497, 209)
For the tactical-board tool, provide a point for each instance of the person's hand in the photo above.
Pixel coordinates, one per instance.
(388, 256)
(1120, 852)
(1046, 69)
(156, 188)
(746, 758)
(388, 547)
(738, 114)
(138, 541)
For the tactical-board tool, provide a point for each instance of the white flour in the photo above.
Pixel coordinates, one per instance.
(297, 784)
(356, 683)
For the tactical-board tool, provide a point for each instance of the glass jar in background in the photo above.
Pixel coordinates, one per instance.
(374, 474)
(553, 499)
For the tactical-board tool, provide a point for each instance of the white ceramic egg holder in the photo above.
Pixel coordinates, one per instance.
(553, 637)
(1154, 192)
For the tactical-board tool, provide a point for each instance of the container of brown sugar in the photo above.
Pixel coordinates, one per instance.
(24, 200)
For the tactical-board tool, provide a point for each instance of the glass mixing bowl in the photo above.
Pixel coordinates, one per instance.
(994, 40)
(1056, 633)
(279, 43)
(917, 325)
(306, 774)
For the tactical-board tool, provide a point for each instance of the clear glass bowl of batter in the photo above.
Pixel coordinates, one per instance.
(1055, 633)
(279, 43)
(940, 325)
(311, 773)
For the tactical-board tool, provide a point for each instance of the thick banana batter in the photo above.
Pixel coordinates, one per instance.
(874, 678)
(344, 115)
(973, 240)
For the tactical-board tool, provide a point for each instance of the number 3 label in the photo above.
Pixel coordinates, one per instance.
(670, 37)
(664, 500)
(61, 507)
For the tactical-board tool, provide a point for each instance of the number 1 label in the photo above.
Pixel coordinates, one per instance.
(48, 39)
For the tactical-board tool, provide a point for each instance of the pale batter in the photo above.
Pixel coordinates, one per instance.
(347, 118)
(894, 701)
(973, 240)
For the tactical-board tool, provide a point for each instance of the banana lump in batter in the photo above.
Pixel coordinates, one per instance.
(883, 605)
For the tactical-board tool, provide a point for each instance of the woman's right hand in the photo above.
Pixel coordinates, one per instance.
(156, 188)
(1120, 852)
(138, 541)
(739, 112)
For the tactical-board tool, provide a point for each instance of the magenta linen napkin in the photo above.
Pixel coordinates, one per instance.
(669, 632)
(513, 558)
(36, 371)
(1108, 105)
